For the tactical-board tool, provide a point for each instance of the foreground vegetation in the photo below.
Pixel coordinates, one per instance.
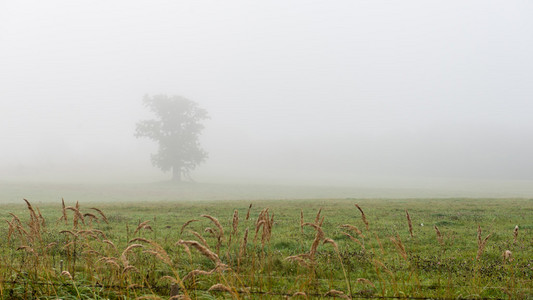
(439, 248)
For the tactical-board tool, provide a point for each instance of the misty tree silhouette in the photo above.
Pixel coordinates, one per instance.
(177, 127)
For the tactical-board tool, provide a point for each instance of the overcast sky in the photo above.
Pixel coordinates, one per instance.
(336, 92)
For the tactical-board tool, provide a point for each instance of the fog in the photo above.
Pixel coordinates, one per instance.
(420, 94)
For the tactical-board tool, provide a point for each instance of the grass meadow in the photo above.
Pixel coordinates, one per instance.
(271, 249)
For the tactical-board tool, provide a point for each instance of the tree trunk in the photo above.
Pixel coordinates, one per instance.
(176, 174)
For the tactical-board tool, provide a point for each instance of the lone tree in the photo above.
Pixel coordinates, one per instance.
(176, 128)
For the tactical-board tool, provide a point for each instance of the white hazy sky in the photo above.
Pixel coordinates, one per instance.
(298, 91)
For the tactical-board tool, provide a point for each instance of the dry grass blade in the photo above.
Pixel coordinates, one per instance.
(315, 226)
(363, 216)
(92, 216)
(353, 239)
(409, 222)
(300, 260)
(64, 210)
(304, 259)
(11, 230)
(217, 224)
(123, 256)
(77, 215)
(67, 274)
(219, 287)
(141, 225)
(130, 268)
(15, 218)
(478, 235)
(301, 221)
(299, 294)
(112, 262)
(100, 232)
(200, 237)
(507, 256)
(75, 234)
(336, 293)
(156, 250)
(235, 222)
(26, 248)
(187, 224)
(317, 218)
(211, 231)
(481, 246)
(318, 237)
(43, 222)
(110, 243)
(130, 247)
(35, 224)
(101, 214)
(93, 252)
(203, 250)
(354, 229)
(365, 281)
(439, 236)
(170, 278)
(139, 239)
(242, 251)
(332, 242)
(258, 226)
(133, 286)
(399, 246)
(248, 212)
(30, 208)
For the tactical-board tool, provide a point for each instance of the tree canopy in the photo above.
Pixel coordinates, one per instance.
(177, 128)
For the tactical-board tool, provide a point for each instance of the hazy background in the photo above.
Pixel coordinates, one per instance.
(418, 94)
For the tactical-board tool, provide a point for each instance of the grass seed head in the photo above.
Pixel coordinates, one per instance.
(439, 235)
(187, 224)
(101, 214)
(219, 287)
(235, 222)
(67, 274)
(336, 293)
(202, 249)
(363, 216)
(248, 212)
(507, 256)
(409, 223)
(141, 225)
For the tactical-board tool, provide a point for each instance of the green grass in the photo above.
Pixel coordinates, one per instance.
(379, 268)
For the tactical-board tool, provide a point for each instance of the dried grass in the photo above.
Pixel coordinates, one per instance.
(399, 246)
(202, 249)
(481, 243)
(217, 224)
(336, 293)
(141, 225)
(409, 222)
(219, 287)
(101, 214)
(354, 229)
(363, 216)
(235, 222)
(187, 224)
(248, 212)
(439, 236)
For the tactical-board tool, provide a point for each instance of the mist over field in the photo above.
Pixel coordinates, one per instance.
(434, 97)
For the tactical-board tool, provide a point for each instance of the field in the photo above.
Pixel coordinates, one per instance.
(296, 249)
